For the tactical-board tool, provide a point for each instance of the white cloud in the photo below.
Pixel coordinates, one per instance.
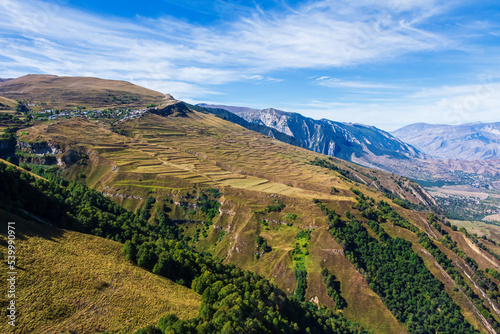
(338, 83)
(53, 38)
(189, 60)
(258, 77)
(441, 105)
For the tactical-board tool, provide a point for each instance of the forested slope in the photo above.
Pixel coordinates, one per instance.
(232, 299)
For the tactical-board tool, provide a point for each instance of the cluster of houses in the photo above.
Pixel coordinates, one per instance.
(119, 114)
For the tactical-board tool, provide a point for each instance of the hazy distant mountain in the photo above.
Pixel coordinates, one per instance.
(344, 140)
(475, 141)
(4, 79)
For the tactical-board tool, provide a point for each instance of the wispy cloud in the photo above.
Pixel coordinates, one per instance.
(54, 38)
(257, 46)
(338, 83)
(263, 78)
(443, 104)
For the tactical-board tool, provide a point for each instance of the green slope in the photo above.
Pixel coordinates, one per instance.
(170, 162)
(70, 282)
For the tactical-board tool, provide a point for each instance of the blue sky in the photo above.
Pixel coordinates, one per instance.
(386, 63)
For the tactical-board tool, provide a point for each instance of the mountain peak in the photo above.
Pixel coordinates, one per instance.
(470, 141)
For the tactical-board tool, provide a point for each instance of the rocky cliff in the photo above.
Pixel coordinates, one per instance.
(343, 140)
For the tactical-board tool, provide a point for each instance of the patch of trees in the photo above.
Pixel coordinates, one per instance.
(299, 254)
(209, 204)
(262, 246)
(21, 108)
(300, 272)
(233, 300)
(399, 276)
(495, 274)
(72, 205)
(277, 206)
(447, 265)
(333, 289)
(479, 275)
(304, 235)
(390, 214)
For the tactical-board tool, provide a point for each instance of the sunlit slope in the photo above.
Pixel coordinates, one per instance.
(167, 156)
(7, 104)
(205, 150)
(70, 282)
(170, 158)
(62, 92)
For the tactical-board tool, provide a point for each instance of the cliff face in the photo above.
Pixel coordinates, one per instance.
(39, 148)
(45, 153)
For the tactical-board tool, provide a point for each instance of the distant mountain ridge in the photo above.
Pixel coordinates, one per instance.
(472, 141)
(352, 142)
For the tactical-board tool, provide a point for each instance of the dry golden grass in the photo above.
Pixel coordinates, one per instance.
(8, 103)
(61, 92)
(364, 306)
(70, 282)
(251, 170)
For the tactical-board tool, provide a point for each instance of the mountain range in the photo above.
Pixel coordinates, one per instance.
(347, 141)
(372, 147)
(475, 141)
(260, 236)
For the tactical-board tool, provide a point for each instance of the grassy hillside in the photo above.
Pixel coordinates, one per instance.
(267, 190)
(7, 104)
(232, 299)
(70, 282)
(55, 92)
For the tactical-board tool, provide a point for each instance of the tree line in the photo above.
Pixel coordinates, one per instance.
(233, 300)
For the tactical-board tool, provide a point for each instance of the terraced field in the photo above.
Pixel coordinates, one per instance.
(170, 157)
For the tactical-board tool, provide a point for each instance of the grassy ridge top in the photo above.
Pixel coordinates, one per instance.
(73, 282)
(61, 92)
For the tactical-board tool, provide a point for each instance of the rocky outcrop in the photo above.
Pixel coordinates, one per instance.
(177, 109)
(39, 148)
(45, 153)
